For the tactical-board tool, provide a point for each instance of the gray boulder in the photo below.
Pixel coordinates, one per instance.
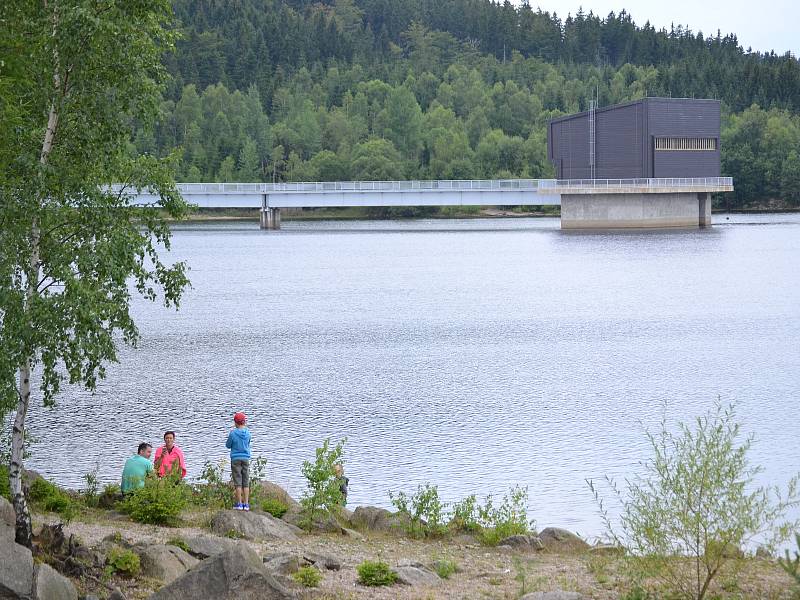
(372, 518)
(237, 574)
(252, 526)
(556, 595)
(7, 514)
(416, 574)
(522, 542)
(116, 594)
(323, 561)
(276, 492)
(561, 540)
(16, 571)
(203, 546)
(325, 522)
(283, 563)
(166, 563)
(49, 584)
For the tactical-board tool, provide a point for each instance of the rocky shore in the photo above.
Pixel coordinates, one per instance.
(229, 554)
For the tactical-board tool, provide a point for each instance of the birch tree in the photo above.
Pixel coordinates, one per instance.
(74, 79)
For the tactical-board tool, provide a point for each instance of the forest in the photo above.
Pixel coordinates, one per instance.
(292, 90)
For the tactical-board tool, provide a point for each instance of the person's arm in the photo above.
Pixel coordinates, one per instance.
(182, 462)
(159, 458)
(229, 441)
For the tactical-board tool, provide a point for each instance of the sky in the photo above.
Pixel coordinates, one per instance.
(766, 25)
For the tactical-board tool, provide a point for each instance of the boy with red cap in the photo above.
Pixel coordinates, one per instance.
(239, 444)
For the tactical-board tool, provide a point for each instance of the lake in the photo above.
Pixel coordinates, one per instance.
(474, 354)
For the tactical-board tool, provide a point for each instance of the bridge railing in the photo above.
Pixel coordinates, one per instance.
(657, 182)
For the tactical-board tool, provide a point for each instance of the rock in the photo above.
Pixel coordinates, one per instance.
(166, 563)
(415, 574)
(16, 571)
(556, 595)
(523, 542)
(561, 540)
(325, 522)
(252, 526)
(276, 492)
(607, 550)
(49, 584)
(203, 546)
(116, 594)
(282, 563)
(7, 514)
(323, 561)
(372, 518)
(237, 574)
(90, 597)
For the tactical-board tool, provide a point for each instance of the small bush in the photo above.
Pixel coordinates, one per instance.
(464, 515)
(375, 573)
(445, 568)
(159, 502)
(274, 507)
(91, 494)
(322, 496)
(124, 562)
(49, 497)
(307, 576)
(213, 491)
(792, 565)
(178, 543)
(424, 509)
(5, 484)
(510, 518)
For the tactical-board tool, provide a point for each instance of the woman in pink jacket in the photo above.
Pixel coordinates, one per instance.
(169, 457)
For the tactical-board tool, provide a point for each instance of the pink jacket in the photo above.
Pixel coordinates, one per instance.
(168, 459)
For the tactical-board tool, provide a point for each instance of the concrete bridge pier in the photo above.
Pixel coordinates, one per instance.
(270, 216)
(635, 210)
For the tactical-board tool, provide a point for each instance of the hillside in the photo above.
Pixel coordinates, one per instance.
(380, 89)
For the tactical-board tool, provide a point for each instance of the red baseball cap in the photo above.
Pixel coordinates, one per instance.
(239, 418)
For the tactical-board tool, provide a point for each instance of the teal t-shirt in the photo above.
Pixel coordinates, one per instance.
(136, 469)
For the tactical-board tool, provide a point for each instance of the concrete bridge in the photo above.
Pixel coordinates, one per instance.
(585, 203)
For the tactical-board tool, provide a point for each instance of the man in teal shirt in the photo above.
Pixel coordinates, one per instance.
(137, 468)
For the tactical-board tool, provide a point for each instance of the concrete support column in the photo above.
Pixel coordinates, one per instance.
(270, 218)
(704, 200)
(630, 210)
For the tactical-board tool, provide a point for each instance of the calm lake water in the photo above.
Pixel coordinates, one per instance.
(475, 354)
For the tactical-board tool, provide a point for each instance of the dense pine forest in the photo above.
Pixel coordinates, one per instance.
(291, 90)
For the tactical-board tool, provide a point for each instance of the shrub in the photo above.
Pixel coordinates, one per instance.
(51, 498)
(792, 565)
(274, 507)
(307, 576)
(445, 567)
(322, 495)
(375, 573)
(125, 562)
(91, 496)
(178, 543)
(697, 501)
(510, 518)
(5, 484)
(424, 509)
(213, 491)
(159, 502)
(464, 515)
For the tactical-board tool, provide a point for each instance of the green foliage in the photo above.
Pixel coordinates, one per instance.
(509, 518)
(213, 489)
(697, 503)
(445, 567)
(792, 565)
(159, 502)
(5, 486)
(178, 542)
(424, 510)
(322, 495)
(464, 515)
(274, 507)
(307, 576)
(49, 497)
(90, 492)
(123, 561)
(375, 573)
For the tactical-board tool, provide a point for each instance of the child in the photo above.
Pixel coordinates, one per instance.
(239, 444)
(343, 482)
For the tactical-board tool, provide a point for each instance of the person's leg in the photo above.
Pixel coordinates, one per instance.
(246, 483)
(236, 475)
(238, 495)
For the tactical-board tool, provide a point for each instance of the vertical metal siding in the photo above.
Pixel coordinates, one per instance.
(625, 140)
